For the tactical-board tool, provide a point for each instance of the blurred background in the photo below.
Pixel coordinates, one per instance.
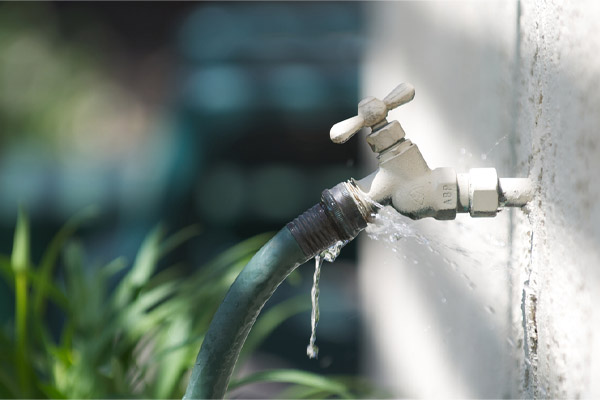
(208, 113)
(212, 114)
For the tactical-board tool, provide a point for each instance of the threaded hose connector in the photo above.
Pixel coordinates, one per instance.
(336, 217)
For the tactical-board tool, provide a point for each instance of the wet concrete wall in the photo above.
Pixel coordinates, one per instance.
(503, 307)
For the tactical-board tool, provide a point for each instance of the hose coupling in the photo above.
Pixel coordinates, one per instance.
(340, 215)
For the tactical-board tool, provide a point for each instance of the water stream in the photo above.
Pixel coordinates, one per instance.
(449, 244)
(328, 255)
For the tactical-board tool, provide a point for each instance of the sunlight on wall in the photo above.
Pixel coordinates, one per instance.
(503, 85)
(444, 331)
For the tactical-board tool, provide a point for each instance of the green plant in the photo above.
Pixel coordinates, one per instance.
(138, 339)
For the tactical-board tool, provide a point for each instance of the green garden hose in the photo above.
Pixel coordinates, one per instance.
(337, 217)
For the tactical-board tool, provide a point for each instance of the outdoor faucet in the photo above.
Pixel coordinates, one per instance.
(405, 181)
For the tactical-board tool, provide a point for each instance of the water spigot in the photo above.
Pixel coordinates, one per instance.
(404, 179)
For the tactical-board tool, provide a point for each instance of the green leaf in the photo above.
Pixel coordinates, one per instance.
(131, 321)
(177, 239)
(294, 278)
(75, 281)
(174, 364)
(50, 256)
(52, 291)
(114, 267)
(362, 387)
(298, 377)
(303, 392)
(231, 256)
(20, 253)
(8, 384)
(20, 265)
(143, 267)
(146, 259)
(51, 392)
(6, 269)
(193, 343)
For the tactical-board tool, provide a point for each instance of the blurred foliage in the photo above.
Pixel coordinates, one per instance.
(72, 128)
(60, 92)
(133, 336)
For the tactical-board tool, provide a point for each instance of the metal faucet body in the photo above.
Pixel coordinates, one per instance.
(405, 181)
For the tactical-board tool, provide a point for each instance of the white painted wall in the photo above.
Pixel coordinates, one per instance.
(516, 317)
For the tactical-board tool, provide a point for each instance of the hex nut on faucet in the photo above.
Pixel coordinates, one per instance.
(386, 137)
(483, 192)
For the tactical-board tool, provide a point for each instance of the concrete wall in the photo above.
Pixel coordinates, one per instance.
(502, 307)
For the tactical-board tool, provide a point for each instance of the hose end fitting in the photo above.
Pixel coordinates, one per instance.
(338, 216)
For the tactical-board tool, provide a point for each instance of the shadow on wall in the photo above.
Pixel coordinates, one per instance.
(457, 319)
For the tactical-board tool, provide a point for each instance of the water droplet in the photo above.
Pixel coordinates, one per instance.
(312, 351)
(444, 300)
(483, 156)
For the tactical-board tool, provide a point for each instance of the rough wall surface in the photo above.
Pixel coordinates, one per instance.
(558, 143)
(515, 86)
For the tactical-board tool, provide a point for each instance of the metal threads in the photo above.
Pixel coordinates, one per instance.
(347, 216)
(313, 230)
(334, 211)
(336, 217)
(366, 206)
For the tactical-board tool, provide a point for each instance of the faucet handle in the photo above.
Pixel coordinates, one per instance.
(342, 131)
(371, 111)
(402, 94)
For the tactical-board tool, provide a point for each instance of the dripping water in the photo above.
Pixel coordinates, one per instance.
(328, 255)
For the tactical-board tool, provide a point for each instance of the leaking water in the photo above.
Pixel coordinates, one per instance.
(445, 247)
(451, 246)
(328, 255)
(465, 157)
(485, 155)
